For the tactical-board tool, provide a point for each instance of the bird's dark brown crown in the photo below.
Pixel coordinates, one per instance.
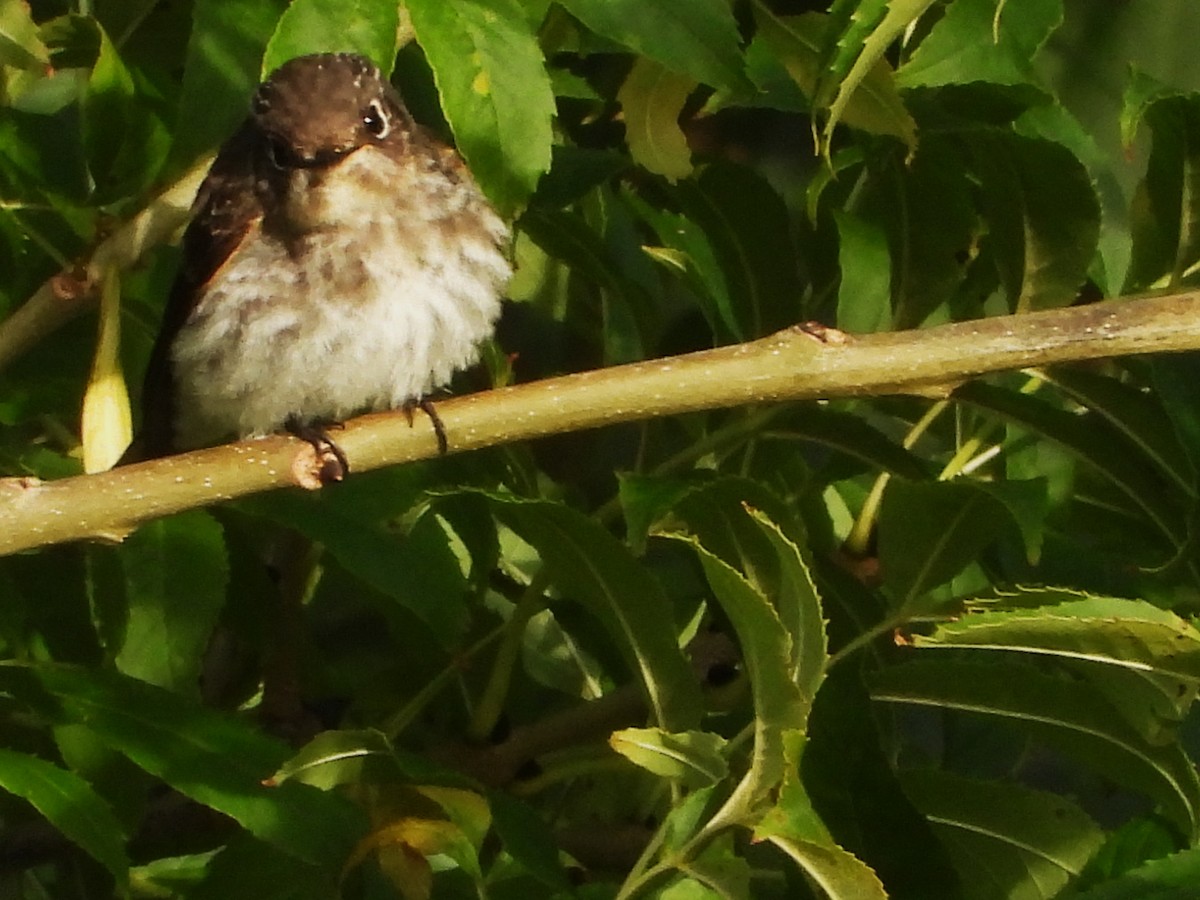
(316, 109)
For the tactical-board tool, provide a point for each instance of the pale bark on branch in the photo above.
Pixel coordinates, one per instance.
(789, 365)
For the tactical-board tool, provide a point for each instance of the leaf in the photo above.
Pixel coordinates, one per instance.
(566, 236)
(1092, 441)
(749, 228)
(205, 755)
(652, 98)
(417, 570)
(106, 423)
(222, 66)
(694, 758)
(976, 41)
(864, 291)
(1043, 217)
(929, 213)
(176, 572)
(720, 870)
(1172, 878)
(20, 44)
(69, 804)
(931, 531)
(794, 827)
(1068, 716)
(686, 249)
(1138, 414)
(1129, 634)
(692, 37)
(367, 27)
(588, 564)
(853, 60)
(779, 704)
(1166, 221)
(494, 88)
(527, 838)
(1004, 837)
(871, 105)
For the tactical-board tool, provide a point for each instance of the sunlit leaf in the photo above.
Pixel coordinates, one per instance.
(1005, 837)
(176, 572)
(870, 103)
(652, 98)
(494, 88)
(1129, 634)
(694, 757)
(794, 827)
(367, 27)
(975, 42)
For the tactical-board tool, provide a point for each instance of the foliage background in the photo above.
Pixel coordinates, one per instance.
(859, 649)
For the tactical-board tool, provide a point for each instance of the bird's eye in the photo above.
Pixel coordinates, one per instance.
(376, 120)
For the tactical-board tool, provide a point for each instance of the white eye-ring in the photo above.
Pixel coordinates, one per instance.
(376, 119)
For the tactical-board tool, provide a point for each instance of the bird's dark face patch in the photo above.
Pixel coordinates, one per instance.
(358, 107)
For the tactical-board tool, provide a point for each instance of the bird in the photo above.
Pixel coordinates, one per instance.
(340, 259)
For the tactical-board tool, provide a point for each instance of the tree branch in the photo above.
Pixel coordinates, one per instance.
(789, 365)
(69, 293)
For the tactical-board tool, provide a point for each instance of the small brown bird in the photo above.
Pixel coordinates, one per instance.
(340, 260)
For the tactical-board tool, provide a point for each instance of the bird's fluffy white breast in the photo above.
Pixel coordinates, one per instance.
(379, 304)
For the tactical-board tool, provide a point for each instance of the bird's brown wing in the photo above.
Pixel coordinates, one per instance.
(226, 208)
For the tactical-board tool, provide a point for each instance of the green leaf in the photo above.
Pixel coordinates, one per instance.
(417, 569)
(693, 758)
(931, 531)
(1173, 878)
(652, 98)
(864, 291)
(246, 867)
(1043, 217)
(205, 755)
(687, 250)
(1166, 223)
(176, 571)
(1129, 634)
(852, 435)
(69, 804)
(720, 870)
(862, 31)
(221, 69)
(976, 41)
(750, 230)
(1092, 441)
(1005, 838)
(779, 704)
(1136, 413)
(1052, 122)
(871, 104)
(494, 88)
(794, 827)
(588, 564)
(1066, 715)
(692, 37)
(367, 27)
(927, 208)
(729, 517)
(20, 44)
(528, 839)
(566, 236)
